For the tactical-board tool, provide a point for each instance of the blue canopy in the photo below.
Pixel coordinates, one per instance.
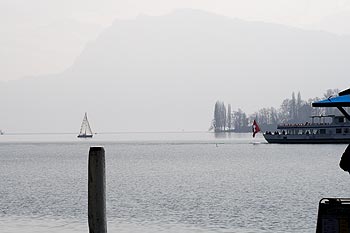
(343, 100)
(339, 101)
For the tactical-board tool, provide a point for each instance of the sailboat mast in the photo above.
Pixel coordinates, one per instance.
(88, 124)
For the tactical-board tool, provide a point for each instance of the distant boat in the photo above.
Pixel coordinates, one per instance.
(334, 130)
(85, 129)
(327, 129)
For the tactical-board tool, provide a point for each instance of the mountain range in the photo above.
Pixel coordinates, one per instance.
(165, 73)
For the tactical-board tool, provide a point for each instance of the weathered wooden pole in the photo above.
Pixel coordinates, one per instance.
(97, 191)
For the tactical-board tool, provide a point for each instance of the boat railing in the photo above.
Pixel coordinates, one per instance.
(302, 124)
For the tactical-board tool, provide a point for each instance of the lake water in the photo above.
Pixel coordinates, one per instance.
(168, 182)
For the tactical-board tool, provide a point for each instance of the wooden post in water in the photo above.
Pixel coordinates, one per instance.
(97, 191)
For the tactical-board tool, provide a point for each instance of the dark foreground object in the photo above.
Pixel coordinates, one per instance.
(333, 215)
(345, 160)
(97, 191)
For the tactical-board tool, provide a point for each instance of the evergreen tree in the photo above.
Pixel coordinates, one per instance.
(299, 105)
(216, 121)
(223, 116)
(229, 117)
(219, 122)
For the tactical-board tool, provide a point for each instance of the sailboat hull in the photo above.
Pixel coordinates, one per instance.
(84, 136)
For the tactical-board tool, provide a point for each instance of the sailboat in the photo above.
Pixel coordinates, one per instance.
(85, 129)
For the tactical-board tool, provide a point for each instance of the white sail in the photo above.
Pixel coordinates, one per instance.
(85, 129)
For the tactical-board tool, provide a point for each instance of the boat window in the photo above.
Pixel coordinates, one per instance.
(341, 119)
(346, 130)
(338, 130)
(322, 131)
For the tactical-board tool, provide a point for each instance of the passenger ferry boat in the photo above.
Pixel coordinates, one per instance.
(321, 129)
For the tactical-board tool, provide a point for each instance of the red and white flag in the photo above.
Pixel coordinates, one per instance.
(255, 128)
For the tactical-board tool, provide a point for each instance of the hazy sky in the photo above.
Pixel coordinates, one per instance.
(42, 37)
(45, 36)
(104, 11)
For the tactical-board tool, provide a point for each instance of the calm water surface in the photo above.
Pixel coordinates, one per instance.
(168, 182)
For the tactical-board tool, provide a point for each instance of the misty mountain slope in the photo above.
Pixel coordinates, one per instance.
(25, 48)
(166, 72)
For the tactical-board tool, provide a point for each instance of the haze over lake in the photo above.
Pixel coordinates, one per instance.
(164, 73)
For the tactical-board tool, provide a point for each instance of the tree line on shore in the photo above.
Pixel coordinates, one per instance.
(293, 110)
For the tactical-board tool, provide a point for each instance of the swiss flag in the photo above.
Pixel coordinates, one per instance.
(255, 128)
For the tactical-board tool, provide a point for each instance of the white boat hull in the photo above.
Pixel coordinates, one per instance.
(308, 139)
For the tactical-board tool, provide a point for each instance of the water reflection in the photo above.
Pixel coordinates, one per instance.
(221, 135)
